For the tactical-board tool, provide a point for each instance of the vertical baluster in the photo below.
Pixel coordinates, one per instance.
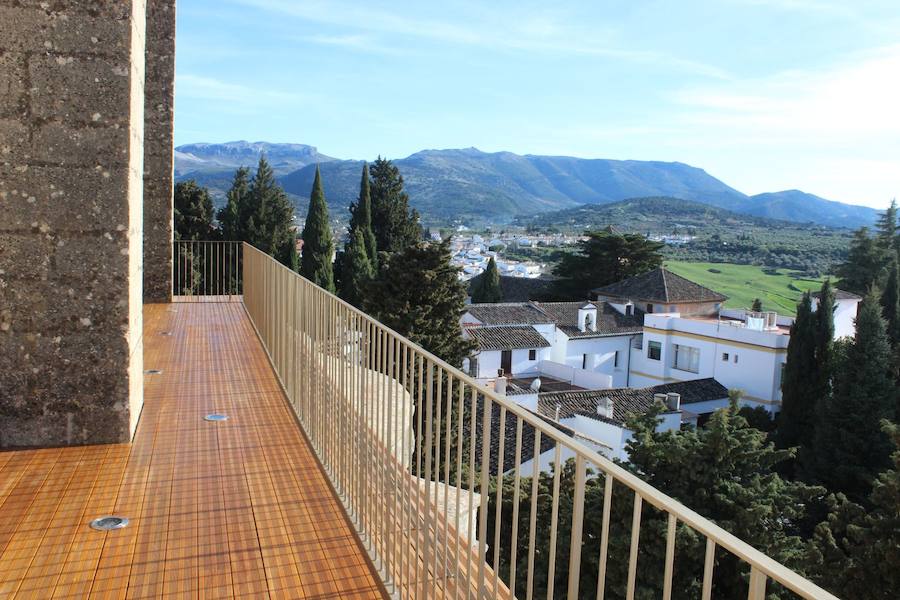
(758, 580)
(670, 557)
(708, 566)
(429, 414)
(514, 536)
(633, 550)
(532, 517)
(470, 524)
(438, 546)
(483, 488)
(604, 535)
(460, 416)
(554, 521)
(498, 500)
(577, 522)
(446, 486)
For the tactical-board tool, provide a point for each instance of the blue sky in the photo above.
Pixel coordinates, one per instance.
(764, 94)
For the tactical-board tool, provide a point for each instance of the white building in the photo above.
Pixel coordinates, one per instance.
(687, 336)
(585, 342)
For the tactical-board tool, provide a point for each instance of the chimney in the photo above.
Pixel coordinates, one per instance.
(673, 401)
(558, 408)
(605, 407)
(500, 386)
(587, 317)
(661, 399)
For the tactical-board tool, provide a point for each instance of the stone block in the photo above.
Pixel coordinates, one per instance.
(59, 144)
(14, 143)
(80, 90)
(12, 85)
(25, 256)
(63, 199)
(73, 29)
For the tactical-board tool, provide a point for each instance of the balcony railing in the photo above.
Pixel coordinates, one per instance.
(204, 270)
(457, 492)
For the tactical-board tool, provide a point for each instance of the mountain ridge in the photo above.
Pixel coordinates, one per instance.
(467, 184)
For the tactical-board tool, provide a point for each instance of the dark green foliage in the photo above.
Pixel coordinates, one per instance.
(759, 418)
(395, 226)
(356, 269)
(258, 212)
(234, 216)
(486, 287)
(361, 217)
(318, 247)
(798, 402)
(418, 294)
(864, 266)
(605, 258)
(888, 230)
(855, 553)
(757, 305)
(890, 302)
(850, 448)
(193, 212)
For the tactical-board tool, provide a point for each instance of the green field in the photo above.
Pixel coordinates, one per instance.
(743, 283)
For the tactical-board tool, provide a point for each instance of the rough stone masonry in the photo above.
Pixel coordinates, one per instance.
(72, 174)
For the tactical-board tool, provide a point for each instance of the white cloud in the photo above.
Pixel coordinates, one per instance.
(209, 88)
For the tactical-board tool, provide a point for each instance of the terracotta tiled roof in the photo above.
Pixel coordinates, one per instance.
(626, 401)
(662, 286)
(507, 337)
(508, 313)
(609, 320)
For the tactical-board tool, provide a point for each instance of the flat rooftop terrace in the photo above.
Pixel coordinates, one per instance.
(238, 508)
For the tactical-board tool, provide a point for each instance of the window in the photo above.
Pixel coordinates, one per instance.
(649, 308)
(725, 356)
(687, 358)
(532, 354)
(735, 358)
(616, 359)
(654, 350)
(584, 361)
(473, 367)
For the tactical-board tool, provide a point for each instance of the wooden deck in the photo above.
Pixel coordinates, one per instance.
(238, 508)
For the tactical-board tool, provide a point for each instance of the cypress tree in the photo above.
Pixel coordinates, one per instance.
(356, 269)
(361, 216)
(798, 400)
(395, 226)
(487, 287)
(231, 219)
(888, 231)
(850, 447)
(757, 305)
(890, 302)
(315, 261)
(864, 265)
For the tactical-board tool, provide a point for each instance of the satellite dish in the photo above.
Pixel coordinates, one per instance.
(536, 384)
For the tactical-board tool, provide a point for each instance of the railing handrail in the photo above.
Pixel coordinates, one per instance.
(722, 538)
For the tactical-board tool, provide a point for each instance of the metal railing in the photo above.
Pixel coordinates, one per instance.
(458, 492)
(207, 270)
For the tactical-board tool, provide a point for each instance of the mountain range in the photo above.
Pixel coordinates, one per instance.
(468, 184)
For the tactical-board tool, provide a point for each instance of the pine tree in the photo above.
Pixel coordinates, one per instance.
(361, 217)
(487, 285)
(193, 212)
(395, 226)
(890, 302)
(605, 257)
(270, 227)
(231, 221)
(888, 230)
(418, 294)
(798, 399)
(357, 271)
(855, 552)
(318, 247)
(864, 266)
(850, 448)
(757, 305)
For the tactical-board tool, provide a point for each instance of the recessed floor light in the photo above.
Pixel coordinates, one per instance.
(165, 333)
(152, 372)
(109, 523)
(216, 417)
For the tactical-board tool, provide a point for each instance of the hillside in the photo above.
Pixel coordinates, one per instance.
(468, 185)
(714, 234)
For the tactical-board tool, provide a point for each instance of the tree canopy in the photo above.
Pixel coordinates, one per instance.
(193, 212)
(605, 257)
(486, 287)
(395, 226)
(318, 246)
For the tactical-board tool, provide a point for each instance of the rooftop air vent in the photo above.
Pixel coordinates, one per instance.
(108, 523)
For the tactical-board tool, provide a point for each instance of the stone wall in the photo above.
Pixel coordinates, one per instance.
(159, 152)
(71, 178)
